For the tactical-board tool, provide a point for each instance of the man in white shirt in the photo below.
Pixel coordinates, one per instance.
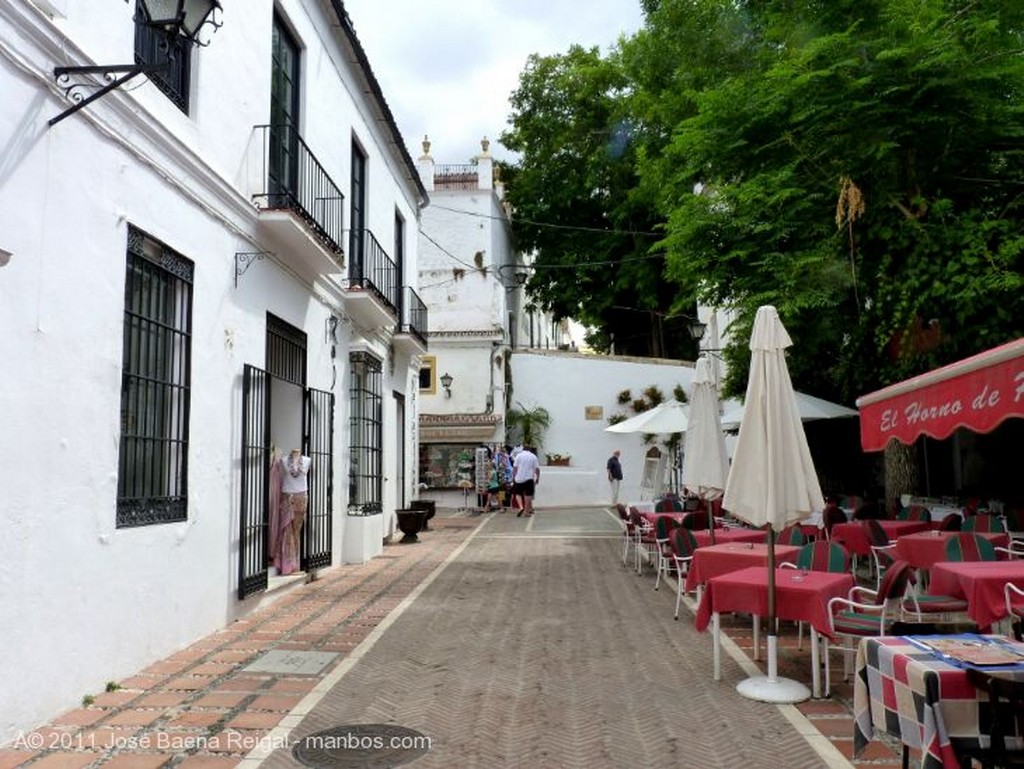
(525, 477)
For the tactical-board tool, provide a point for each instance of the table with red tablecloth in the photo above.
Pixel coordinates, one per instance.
(853, 535)
(713, 560)
(724, 536)
(981, 583)
(924, 549)
(799, 597)
(922, 699)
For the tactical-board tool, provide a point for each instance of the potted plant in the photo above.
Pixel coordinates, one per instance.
(528, 424)
(558, 460)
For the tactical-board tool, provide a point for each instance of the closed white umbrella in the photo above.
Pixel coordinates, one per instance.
(668, 417)
(705, 463)
(772, 479)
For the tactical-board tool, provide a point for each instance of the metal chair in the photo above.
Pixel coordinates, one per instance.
(881, 549)
(644, 542)
(664, 525)
(791, 535)
(682, 545)
(968, 546)
(984, 523)
(830, 516)
(951, 523)
(668, 505)
(627, 530)
(851, 619)
(914, 513)
(819, 555)
(1015, 608)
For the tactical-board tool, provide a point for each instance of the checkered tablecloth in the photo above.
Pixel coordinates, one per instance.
(915, 696)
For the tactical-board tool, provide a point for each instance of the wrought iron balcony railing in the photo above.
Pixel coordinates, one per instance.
(295, 181)
(414, 315)
(456, 177)
(371, 269)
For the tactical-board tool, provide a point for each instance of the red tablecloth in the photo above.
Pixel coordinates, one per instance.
(981, 583)
(798, 597)
(924, 549)
(723, 536)
(714, 560)
(853, 535)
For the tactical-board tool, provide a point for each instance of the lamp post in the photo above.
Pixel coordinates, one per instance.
(172, 17)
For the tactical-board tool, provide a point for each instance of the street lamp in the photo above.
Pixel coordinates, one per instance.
(446, 383)
(172, 17)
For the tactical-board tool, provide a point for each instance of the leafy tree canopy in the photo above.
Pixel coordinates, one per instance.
(856, 164)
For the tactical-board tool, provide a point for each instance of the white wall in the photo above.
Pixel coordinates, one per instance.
(565, 384)
(83, 601)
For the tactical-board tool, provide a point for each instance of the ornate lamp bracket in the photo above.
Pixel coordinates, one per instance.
(243, 260)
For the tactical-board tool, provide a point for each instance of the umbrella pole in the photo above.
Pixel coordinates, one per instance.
(711, 519)
(771, 688)
(773, 659)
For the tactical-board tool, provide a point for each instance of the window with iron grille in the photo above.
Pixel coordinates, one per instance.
(365, 433)
(156, 370)
(152, 46)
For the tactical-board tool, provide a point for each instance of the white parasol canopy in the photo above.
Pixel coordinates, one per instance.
(772, 479)
(668, 417)
(808, 407)
(705, 464)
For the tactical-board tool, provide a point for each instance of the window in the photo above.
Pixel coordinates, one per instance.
(366, 416)
(152, 47)
(357, 216)
(152, 476)
(428, 375)
(283, 172)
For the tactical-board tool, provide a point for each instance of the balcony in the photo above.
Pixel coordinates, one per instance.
(411, 334)
(301, 208)
(371, 298)
(456, 177)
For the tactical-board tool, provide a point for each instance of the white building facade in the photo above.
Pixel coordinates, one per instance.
(203, 267)
(471, 280)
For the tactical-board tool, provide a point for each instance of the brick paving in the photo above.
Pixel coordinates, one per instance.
(533, 646)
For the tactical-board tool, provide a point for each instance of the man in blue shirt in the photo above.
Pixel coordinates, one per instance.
(614, 475)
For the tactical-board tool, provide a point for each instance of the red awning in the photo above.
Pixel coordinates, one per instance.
(977, 393)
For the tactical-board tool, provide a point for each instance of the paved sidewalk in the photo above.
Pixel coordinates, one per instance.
(530, 646)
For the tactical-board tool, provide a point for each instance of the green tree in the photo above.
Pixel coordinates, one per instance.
(857, 164)
(578, 208)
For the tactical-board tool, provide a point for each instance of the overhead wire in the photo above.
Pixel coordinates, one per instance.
(551, 225)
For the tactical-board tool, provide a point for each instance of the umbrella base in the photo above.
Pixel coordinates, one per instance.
(777, 690)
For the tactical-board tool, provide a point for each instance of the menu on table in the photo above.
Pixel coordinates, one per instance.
(979, 651)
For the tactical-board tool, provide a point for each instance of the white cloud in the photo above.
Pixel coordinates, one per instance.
(448, 67)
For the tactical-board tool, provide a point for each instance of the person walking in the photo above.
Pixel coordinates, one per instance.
(614, 475)
(525, 477)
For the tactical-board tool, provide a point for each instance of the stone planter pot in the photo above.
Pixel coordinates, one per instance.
(411, 523)
(428, 505)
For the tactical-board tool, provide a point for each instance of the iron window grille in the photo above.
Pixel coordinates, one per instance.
(152, 478)
(286, 351)
(153, 47)
(365, 435)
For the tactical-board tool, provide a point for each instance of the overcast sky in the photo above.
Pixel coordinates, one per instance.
(447, 67)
